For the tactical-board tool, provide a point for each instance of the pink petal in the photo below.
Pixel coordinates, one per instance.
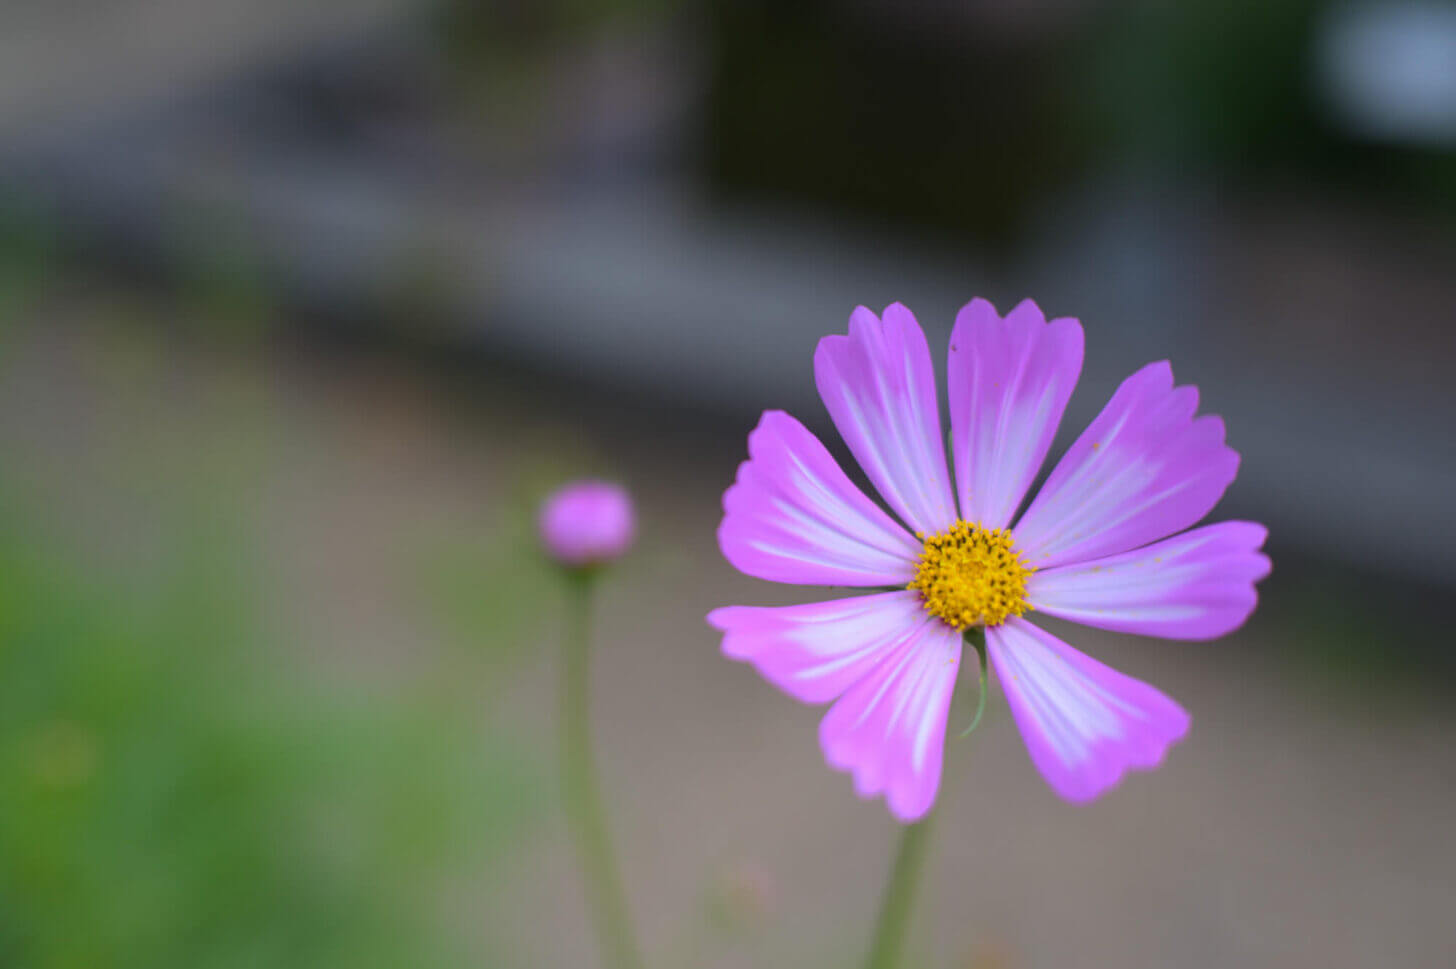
(1084, 724)
(888, 730)
(1198, 585)
(814, 652)
(880, 389)
(1144, 469)
(1009, 384)
(793, 516)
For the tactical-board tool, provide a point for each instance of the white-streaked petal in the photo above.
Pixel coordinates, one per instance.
(879, 386)
(815, 651)
(793, 516)
(1144, 469)
(1009, 382)
(1085, 724)
(888, 730)
(1198, 585)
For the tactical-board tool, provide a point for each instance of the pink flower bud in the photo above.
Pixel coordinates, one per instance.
(587, 523)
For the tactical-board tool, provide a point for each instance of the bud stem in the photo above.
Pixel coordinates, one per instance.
(580, 789)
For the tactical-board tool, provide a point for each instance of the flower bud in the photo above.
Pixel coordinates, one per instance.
(587, 523)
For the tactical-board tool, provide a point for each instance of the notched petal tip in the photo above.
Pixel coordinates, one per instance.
(911, 810)
(862, 321)
(1079, 793)
(979, 308)
(1155, 375)
(1026, 313)
(1068, 330)
(1256, 533)
(899, 314)
(770, 422)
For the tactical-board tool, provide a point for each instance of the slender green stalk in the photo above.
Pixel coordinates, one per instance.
(583, 799)
(897, 904)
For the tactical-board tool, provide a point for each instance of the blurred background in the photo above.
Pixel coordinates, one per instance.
(304, 304)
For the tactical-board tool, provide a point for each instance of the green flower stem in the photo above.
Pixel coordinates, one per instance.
(897, 905)
(583, 799)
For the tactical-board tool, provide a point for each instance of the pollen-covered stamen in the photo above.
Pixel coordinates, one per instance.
(971, 576)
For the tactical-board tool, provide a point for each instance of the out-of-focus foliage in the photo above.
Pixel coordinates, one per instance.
(473, 31)
(1233, 84)
(1339, 632)
(954, 118)
(851, 108)
(27, 247)
(489, 598)
(174, 798)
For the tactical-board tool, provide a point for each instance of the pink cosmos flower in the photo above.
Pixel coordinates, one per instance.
(1093, 546)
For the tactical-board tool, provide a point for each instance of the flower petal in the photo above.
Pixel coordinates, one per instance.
(1144, 469)
(1084, 724)
(888, 729)
(793, 516)
(816, 651)
(880, 389)
(1198, 585)
(1009, 384)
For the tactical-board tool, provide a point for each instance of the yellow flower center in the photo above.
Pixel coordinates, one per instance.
(971, 576)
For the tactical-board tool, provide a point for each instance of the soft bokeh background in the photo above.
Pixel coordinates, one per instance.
(304, 305)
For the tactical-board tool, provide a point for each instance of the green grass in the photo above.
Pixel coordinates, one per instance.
(175, 796)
